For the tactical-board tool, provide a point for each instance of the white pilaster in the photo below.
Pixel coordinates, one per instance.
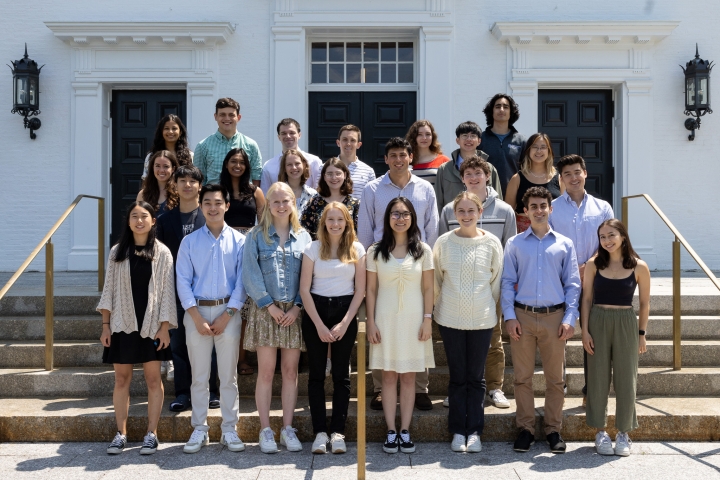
(290, 99)
(435, 95)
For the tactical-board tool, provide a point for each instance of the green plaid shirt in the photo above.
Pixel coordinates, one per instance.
(210, 153)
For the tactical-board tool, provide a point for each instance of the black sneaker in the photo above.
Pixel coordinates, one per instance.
(376, 402)
(392, 442)
(214, 400)
(406, 445)
(118, 444)
(524, 441)
(557, 445)
(423, 402)
(150, 444)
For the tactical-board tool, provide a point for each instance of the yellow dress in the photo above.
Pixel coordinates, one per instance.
(399, 313)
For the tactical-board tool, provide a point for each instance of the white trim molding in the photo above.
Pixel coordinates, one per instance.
(141, 33)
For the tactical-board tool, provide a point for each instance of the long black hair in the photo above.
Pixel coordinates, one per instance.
(246, 189)
(182, 150)
(387, 242)
(127, 241)
(630, 258)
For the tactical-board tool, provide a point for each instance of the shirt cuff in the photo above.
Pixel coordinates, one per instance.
(188, 304)
(298, 299)
(264, 301)
(569, 320)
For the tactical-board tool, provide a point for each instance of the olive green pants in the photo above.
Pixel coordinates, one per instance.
(615, 335)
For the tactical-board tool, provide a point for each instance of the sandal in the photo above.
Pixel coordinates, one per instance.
(245, 369)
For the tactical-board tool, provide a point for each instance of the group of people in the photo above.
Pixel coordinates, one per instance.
(221, 254)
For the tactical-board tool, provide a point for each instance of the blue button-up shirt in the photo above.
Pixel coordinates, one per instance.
(580, 224)
(272, 271)
(210, 268)
(546, 272)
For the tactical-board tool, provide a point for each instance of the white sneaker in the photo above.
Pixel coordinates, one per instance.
(497, 398)
(289, 440)
(337, 443)
(170, 370)
(232, 441)
(163, 368)
(197, 440)
(446, 402)
(458, 443)
(150, 444)
(267, 441)
(623, 444)
(320, 443)
(474, 445)
(328, 368)
(603, 445)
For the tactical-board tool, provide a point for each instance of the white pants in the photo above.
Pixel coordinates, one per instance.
(227, 347)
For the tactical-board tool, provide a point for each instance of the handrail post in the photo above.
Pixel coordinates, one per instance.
(49, 304)
(677, 357)
(361, 401)
(101, 244)
(625, 213)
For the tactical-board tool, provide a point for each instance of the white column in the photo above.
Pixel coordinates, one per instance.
(288, 95)
(86, 173)
(435, 96)
(525, 94)
(200, 109)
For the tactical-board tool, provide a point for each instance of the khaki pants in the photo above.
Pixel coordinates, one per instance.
(539, 331)
(495, 363)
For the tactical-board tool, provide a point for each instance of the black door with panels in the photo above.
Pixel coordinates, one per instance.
(380, 116)
(135, 115)
(580, 122)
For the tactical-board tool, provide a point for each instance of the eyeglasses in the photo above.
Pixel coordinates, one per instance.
(468, 136)
(334, 174)
(540, 148)
(399, 215)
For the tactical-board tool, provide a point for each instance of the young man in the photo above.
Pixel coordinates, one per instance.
(398, 181)
(449, 182)
(500, 140)
(498, 218)
(289, 134)
(210, 152)
(172, 227)
(578, 215)
(540, 314)
(349, 140)
(209, 283)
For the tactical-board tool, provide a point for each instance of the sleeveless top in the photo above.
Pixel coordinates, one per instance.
(614, 291)
(242, 213)
(553, 186)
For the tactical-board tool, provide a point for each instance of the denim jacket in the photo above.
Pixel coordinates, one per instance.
(271, 273)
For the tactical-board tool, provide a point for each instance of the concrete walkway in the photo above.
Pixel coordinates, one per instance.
(431, 461)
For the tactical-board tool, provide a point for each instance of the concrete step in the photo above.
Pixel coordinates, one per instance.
(60, 419)
(82, 301)
(99, 381)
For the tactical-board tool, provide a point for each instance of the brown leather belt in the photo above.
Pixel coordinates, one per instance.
(551, 309)
(213, 303)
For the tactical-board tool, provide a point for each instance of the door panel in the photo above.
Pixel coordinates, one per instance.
(580, 122)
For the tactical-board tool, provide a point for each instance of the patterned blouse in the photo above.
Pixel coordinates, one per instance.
(313, 211)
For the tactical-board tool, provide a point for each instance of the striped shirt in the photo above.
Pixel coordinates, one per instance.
(210, 153)
(361, 174)
(376, 196)
(271, 170)
(428, 171)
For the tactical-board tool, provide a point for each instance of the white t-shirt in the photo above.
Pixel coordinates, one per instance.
(332, 278)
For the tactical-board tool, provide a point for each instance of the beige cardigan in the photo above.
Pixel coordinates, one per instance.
(117, 294)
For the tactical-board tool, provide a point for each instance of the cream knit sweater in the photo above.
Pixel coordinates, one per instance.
(467, 281)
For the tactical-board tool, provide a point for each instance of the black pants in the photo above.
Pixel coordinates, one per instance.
(466, 352)
(331, 311)
(181, 361)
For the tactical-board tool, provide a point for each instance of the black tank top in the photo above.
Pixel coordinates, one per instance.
(553, 186)
(242, 212)
(614, 291)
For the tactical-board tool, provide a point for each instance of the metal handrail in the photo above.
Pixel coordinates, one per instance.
(50, 269)
(679, 240)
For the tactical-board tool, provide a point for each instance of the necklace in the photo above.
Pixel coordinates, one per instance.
(544, 176)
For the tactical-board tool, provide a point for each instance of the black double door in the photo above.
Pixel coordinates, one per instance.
(580, 122)
(379, 115)
(135, 115)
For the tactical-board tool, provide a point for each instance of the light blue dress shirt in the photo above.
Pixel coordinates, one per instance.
(546, 272)
(210, 268)
(580, 224)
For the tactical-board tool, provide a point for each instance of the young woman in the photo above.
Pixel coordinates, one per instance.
(468, 265)
(246, 206)
(536, 170)
(427, 155)
(294, 171)
(272, 260)
(614, 338)
(399, 302)
(159, 189)
(335, 185)
(138, 309)
(332, 286)
(170, 135)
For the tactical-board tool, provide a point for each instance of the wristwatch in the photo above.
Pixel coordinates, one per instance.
(230, 312)
(642, 332)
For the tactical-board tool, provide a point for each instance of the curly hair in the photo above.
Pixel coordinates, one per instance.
(182, 150)
(412, 134)
(488, 110)
(151, 187)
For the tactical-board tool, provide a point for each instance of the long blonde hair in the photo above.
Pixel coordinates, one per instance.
(266, 218)
(525, 161)
(346, 252)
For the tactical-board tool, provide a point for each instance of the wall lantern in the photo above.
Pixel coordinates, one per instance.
(26, 93)
(697, 91)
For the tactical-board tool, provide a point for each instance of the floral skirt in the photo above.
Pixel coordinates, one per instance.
(263, 331)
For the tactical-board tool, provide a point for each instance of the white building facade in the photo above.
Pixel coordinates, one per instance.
(284, 58)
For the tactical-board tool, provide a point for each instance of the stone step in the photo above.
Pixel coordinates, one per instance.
(99, 381)
(61, 419)
(77, 302)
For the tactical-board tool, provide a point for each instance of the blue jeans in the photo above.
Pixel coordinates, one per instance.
(181, 361)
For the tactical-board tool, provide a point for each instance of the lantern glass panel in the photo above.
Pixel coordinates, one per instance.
(690, 92)
(703, 92)
(33, 92)
(21, 91)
